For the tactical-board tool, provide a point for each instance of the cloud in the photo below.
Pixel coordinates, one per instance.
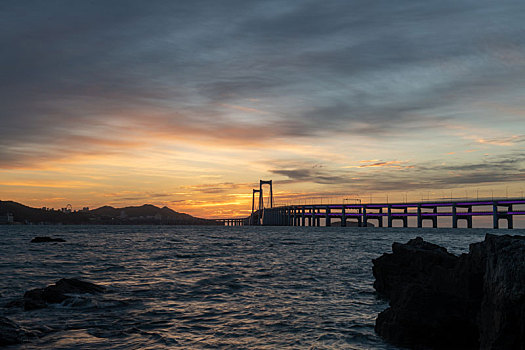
(215, 188)
(507, 141)
(378, 164)
(94, 78)
(415, 177)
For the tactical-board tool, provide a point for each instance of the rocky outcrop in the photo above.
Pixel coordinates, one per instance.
(46, 239)
(501, 317)
(441, 301)
(10, 332)
(58, 292)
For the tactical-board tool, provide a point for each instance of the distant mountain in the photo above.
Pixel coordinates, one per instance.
(148, 213)
(145, 214)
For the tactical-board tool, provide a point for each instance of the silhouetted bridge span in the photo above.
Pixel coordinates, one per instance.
(378, 213)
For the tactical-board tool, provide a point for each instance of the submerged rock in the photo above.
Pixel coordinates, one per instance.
(10, 332)
(59, 292)
(46, 239)
(439, 300)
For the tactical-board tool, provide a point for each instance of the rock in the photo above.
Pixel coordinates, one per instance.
(57, 293)
(409, 263)
(46, 239)
(438, 300)
(502, 314)
(10, 332)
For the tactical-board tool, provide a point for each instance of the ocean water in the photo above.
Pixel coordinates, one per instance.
(196, 287)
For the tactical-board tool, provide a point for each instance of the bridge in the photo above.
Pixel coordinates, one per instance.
(502, 209)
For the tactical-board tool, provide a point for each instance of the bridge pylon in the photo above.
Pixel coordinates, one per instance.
(252, 217)
(261, 197)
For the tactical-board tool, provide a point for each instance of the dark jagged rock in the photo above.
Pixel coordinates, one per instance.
(46, 239)
(440, 301)
(502, 313)
(57, 293)
(10, 332)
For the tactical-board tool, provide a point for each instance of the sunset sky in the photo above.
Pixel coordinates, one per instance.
(189, 103)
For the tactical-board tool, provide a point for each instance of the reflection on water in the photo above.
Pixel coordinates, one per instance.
(199, 287)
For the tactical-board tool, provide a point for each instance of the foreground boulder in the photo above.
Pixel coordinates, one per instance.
(46, 239)
(10, 332)
(58, 292)
(441, 301)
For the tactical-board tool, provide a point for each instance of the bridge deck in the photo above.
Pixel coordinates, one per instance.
(311, 214)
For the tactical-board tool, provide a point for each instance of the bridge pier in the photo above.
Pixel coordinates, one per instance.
(510, 221)
(389, 212)
(505, 216)
(328, 222)
(419, 217)
(495, 216)
(454, 217)
(343, 217)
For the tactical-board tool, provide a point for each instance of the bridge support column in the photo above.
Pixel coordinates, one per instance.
(510, 217)
(469, 218)
(435, 218)
(405, 218)
(419, 217)
(495, 216)
(454, 217)
(328, 222)
(360, 218)
(380, 218)
(343, 217)
(303, 217)
(318, 218)
(389, 215)
(365, 219)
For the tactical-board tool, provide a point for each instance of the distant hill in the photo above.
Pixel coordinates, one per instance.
(145, 214)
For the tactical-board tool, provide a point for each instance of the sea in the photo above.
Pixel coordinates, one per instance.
(207, 287)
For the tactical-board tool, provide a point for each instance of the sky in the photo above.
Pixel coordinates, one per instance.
(189, 104)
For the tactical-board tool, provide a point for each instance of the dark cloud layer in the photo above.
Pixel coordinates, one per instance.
(77, 70)
(425, 176)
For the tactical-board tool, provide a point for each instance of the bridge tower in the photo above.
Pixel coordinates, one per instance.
(259, 212)
(252, 217)
(261, 183)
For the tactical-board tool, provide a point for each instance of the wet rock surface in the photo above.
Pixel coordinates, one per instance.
(46, 239)
(441, 301)
(59, 292)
